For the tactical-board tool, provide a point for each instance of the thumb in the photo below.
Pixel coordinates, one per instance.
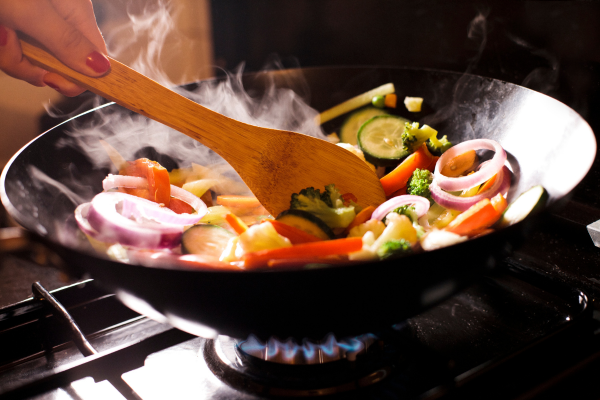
(64, 40)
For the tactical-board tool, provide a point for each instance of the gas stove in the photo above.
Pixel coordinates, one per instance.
(527, 330)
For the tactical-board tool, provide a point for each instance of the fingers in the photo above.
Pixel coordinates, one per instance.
(59, 33)
(62, 85)
(12, 61)
(83, 19)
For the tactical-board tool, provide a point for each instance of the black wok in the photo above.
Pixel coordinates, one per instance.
(547, 143)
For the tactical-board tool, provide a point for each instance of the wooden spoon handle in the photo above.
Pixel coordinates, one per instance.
(142, 95)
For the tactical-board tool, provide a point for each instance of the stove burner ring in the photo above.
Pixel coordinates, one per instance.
(276, 379)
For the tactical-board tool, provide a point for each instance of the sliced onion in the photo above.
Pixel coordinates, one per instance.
(448, 200)
(420, 203)
(116, 181)
(81, 217)
(104, 217)
(483, 174)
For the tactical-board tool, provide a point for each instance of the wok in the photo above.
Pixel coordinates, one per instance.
(547, 143)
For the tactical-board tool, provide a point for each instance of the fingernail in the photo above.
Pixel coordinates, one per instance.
(97, 62)
(3, 36)
(50, 84)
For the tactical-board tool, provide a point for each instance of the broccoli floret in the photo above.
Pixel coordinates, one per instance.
(328, 206)
(413, 137)
(407, 210)
(438, 146)
(394, 248)
(419, 182)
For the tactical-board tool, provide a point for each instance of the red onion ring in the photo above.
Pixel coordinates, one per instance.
(81, 217)
(115, 181)
(105, 219)
(448, 200)
(477, 178)
(420, 203)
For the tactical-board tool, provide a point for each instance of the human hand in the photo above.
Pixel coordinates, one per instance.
(67, 28)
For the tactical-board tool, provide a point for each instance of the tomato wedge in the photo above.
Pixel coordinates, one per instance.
(159, 186)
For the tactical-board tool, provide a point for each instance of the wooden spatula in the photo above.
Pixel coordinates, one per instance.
(273, 163)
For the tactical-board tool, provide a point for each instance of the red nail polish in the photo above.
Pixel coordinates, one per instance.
(97, 62)
(3, 36)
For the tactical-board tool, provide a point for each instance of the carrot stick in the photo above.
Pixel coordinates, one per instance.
(363, 216)
(399, 177)
(236, 223)
(238, 201)
(296, 235)
(306, 250)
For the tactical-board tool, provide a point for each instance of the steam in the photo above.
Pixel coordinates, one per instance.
(541, 79)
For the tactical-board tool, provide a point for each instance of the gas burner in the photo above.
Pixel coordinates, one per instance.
(307, 353)
(312, 369)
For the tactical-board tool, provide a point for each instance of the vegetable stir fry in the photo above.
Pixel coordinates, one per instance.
(439, 194)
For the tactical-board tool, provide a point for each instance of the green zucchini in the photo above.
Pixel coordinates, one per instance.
(307, 222)
(350, 127)
(527, 203)
(380, 139)
(205, 239)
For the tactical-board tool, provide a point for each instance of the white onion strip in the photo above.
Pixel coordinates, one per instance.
(421, 205)
(117, 181)
(448, 200)
(477, 178)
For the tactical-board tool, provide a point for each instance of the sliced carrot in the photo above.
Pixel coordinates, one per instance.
(499, 203)
(487, 184)
(399, 177)
(238, 201)
(236, 223)
(159, 185)
(363, 216)
(459, 164)
(307, 250)
(296, 235)
(390, 100)
(478, 217)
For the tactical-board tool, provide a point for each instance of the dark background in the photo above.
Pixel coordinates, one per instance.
(550, 47)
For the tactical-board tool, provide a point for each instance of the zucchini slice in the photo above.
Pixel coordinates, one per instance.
(307, 222)
(380, 139)
(350, 127)
(527, 203)
(205, 239)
